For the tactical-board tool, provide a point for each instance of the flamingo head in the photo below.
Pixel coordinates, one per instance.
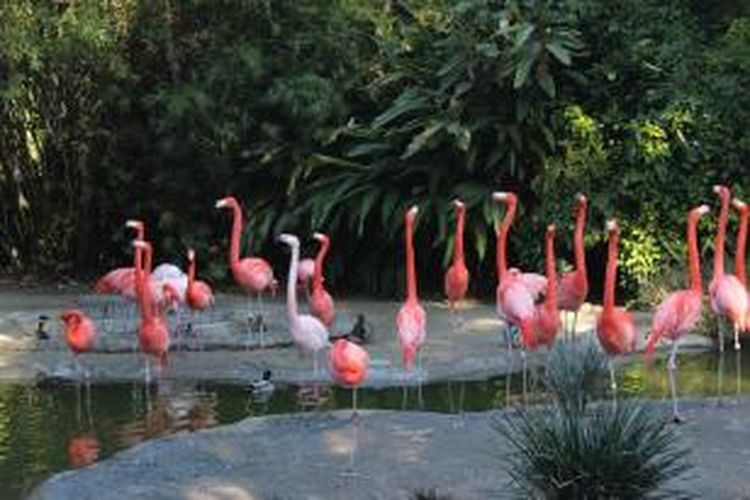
(505, 197)
(458, 204)
(71, 317)
(612, 225)
(583, 202)
(701, 210)
(321, 237)
(722, 191)
(551, 230)
(740, 205)
(226, 202)
(191, 254)
(289, 239)
(134, 224)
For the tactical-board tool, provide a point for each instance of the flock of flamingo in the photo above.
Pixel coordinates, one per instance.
(530, 303)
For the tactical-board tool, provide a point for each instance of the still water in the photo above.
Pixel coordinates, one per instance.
(46, 430)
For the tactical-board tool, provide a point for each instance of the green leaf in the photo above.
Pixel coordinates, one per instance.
(560, 53)
(420, 140)
(547, 84)
(408, 101)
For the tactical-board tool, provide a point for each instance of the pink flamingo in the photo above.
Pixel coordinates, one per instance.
(253, 274)
(614, 327)
(308, 332)
(741, 253)
(678, 314)
(574, 286)
(728, 297)
(546, 314)
(349, 364)
(153, 334)
(516, 291)
(199, 295)
(411, 318)
(121, 281)
(456, 281)
(321, 303)
(80, 334)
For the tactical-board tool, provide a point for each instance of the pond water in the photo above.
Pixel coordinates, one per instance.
(46, 430)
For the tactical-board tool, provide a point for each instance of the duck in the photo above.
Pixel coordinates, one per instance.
(264, 386)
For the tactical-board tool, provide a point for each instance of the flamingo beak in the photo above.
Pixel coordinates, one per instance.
(718, 188)
(458, 203)
(738, 204)
(581, 198)
(499, 196)
(221, 203)
(703, 209)
(191, 254)
(611, 224)
(319, 236)
(551, 228)
(133, 224)
(414, 210)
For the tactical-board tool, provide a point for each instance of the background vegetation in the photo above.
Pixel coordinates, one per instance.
(335, 115)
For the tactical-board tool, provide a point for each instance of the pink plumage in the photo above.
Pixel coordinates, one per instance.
(456, 282)
(199, 295)
(411, 318)
(574, 286)
(321, 302)
(349, 363)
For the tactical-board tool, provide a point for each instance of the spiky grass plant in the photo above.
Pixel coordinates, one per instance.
(572, 449)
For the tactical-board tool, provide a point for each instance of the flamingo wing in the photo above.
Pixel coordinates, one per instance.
(254, 275)
(676, 315)
(729, 299)
(313, 334)
(411, 330)
(572, 291)
(456, 283)
(535, 283)
(349, 362)
(321, 306)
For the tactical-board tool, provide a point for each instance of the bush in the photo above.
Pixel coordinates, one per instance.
(572, 449)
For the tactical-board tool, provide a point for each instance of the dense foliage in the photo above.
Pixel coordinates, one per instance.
(336, 115)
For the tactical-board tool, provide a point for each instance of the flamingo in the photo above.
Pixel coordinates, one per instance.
(80, 334)
(199, 295)
(574, 285)
(321, 303)
(728, 297)
(516, 291)
(456, 281)
(308, 332)
(83, 450)
(614, 326)
(680, 312)
(546, 314)
(121, 281)
(153, 334)
(253, 274)
(740, 255)
(349, 364)
(411, 318)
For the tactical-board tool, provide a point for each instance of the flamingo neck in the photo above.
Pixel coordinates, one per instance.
(145, 300)
(411, 276)
(458, 255)
(191, 273)
(693, 259)
(291, 286)
(234, 245)
(739, 256)
(319, 258)
(578, 248)
(609, 279)
(502, 237)
(551, 295)
(721, 231)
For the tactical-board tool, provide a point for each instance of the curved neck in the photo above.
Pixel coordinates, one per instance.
(609, 279)
(578, 248)
(318, 273)
(739, 256)
(502, 237)
(234, 245)
(191, 272)
(458, 255)
(693, 259)
(721, 231)
(549, 251)
(291, 286)
(411, 276)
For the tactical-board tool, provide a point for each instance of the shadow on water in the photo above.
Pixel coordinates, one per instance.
(46, 430)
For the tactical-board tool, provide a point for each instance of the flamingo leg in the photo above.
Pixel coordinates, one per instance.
(523, 375)
(250, 323)
(612, 381)
(419, 381)
(737, 345)
(354, 404)
(738, 361)
(261, 320)
(720, 378)
(720, 333)
(672, 370)
(508, 371)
